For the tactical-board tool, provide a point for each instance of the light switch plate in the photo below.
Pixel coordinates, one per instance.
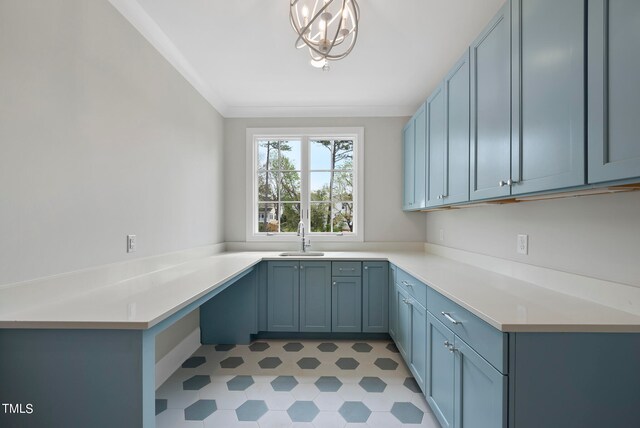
(523, 244)
(131, 243)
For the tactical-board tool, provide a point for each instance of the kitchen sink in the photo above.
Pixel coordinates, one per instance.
(301, 254)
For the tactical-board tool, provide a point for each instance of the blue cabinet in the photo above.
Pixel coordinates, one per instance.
(414, 158)
(375, 297)
(614, 92)
(548, 89)
(418, 353)
(440, 383)
(481, 390)
(403, 333)
(456, 89)
(436, 147)
(393, 302)
(315, 296)
(346, 307)
(283, 291)
(491, 109)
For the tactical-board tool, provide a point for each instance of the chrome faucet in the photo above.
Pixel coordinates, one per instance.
(305, 244)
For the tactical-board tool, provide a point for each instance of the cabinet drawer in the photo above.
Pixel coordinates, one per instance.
(346, 268)
(415, 288)
(483, 338)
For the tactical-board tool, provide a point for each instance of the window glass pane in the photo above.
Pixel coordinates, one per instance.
(343, 154)
(320, 217)
(320, 186)
(343, 217)
(290, 155)
(267, 186)
(267, 218)
(342, 186)
(289, 183)
(289, 217)
(320, 154)
(267, 149)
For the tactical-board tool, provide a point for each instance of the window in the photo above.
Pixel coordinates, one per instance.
(308, 175)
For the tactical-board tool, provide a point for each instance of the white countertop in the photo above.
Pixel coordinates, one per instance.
(141, 302)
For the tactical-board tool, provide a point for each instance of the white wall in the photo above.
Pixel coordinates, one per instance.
(596, 236)
(384, 219)
(100, 137)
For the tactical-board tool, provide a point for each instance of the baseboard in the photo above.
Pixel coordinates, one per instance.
(174, 359)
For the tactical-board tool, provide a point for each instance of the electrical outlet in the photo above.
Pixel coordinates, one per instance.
(523, 244)
(441, 235)
(131, 243)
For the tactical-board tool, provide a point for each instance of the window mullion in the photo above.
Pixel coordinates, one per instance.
(304, 184)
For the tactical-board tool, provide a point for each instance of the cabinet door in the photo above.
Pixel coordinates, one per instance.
(420, 165)
(375, 297)
(403, 332)
(436, 147)
(408, 151)
(440, 382)
(315, 296)
(548, 108)
(456, 87)
(491, 109)
(346, 307)
(283, 291)
(614, 92)
(393, 304)
(418, 360)
(481, 391)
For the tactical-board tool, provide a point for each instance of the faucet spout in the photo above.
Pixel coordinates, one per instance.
(305, 243)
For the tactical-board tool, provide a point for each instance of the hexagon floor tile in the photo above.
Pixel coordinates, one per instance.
(347, 363)
(308, 363)
(251, 410)
(303, 411)
(284, 383)
(407, 413)
(259, 346)
(293, 347)
(195, 383)
(328, 384)
(270, 362)
(373, 384)
(361, 347)
(240, 383)
(386, 364)
(200, 410)
(327, 347)
(321, 383)
(354, 411)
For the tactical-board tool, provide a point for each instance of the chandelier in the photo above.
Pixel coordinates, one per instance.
(329, 28)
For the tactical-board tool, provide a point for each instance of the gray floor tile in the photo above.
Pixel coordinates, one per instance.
(231, 362)
(258, 346)
(407, 413)
(361, 347)
(386, 364)
(196, 382)
(412, 385)
(309, 363)
(270, 362)
(327, 347)
(347, 363)
(303, 411)
(354, 411)
(240, 383)
(372, 384)
(251, 410)
(161, 405)
(193, 362)
(224, 348)
(293, 347)
(328, 384)
(284, 383)
(200, 410)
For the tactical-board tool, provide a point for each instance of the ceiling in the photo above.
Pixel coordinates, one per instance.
(240, 54)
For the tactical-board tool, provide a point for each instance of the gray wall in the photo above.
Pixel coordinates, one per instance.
(100, 137)
(384, 219)
(596, 236)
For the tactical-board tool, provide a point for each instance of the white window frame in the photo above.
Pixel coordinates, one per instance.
(305, 134)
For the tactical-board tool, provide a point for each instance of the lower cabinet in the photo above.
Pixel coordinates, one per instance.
(375, 297)
(315, 296)
(283, 290)
(462, 388)
(393, 304)
(412, 334)
(346, 304)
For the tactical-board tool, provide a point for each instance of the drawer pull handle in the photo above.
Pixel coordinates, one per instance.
(408, 284)
(448, 316)
(449, 346)
(351, 269)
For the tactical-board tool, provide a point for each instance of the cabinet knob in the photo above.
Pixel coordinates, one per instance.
(295, 267)
(449, 346)
(334, 283)
(502, 183)
(511, 182)
(301, 267)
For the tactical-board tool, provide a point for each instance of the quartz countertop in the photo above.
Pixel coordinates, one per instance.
(140, 302)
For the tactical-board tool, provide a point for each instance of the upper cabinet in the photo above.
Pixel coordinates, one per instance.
(436, 147)
(614, 90)
(548, 95)
(413, 143)
(491, 109)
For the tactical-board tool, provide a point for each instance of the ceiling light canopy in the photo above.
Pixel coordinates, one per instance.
(329, 28)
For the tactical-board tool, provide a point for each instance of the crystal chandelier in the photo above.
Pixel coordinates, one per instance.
(329, 28)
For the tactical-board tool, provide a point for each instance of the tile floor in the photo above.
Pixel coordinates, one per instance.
(279, 383)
